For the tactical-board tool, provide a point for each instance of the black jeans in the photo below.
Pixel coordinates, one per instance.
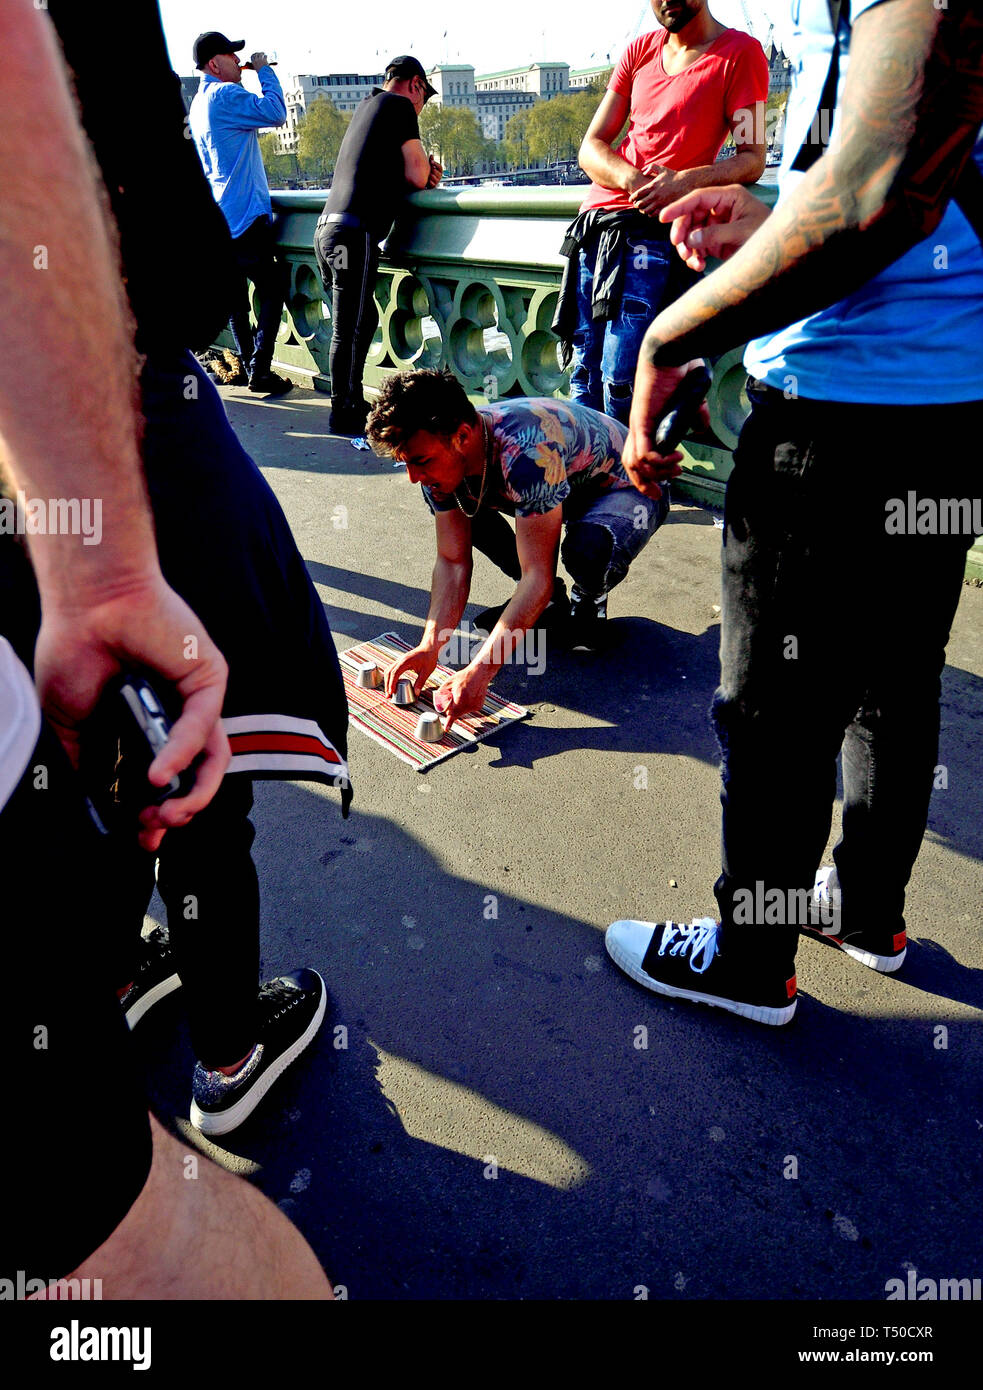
(257, 260)
(71, 1184)
(833, 635)
(348, 260)
(208, 882)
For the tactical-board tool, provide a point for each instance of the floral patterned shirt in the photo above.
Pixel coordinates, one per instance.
(544, 452)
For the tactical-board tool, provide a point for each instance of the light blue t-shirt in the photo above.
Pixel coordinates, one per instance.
(913, 334)
(224, 119)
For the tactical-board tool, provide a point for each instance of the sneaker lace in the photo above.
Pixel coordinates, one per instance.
(698, 941)
(823, 895)
(279, 996)
(158, 938)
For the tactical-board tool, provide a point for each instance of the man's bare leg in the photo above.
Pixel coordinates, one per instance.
(208, 1237)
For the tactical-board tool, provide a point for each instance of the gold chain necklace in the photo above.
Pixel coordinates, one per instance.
(484, 476)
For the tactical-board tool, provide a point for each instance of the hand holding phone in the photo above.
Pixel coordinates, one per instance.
(681, 413)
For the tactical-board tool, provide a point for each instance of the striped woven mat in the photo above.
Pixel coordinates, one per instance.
(395, 727)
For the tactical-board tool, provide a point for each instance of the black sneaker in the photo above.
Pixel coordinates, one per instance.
(881, 950)
(348, 420)
(587, 628)
(685, 963)
(155, 979)
(291, 1009)
(270, 384)
(553, 618)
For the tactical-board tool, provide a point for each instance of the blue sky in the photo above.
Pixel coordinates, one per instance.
(326, 37)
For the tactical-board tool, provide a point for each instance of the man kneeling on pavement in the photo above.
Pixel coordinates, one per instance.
(553, 465)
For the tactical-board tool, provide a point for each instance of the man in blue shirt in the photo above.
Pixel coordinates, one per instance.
(850, 403)
(224, 119)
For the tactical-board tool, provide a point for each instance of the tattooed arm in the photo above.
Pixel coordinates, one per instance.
(911, 110)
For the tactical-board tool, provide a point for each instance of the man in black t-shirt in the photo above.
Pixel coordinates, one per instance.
(381, 159)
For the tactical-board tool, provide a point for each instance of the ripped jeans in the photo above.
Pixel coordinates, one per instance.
(603, 533)
(605, 353)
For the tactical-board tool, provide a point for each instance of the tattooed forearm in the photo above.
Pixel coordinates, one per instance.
(911, 109)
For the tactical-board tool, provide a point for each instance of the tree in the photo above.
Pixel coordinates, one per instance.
(280, 168)
(516, 140)
(456, 137)
(319, 138)
(554, 129)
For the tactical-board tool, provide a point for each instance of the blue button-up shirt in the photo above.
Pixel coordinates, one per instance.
(224, 119)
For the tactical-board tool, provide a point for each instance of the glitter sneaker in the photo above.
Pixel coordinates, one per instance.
(291, 1009)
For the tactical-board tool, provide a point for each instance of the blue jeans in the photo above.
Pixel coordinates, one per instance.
(605, 353)
(603, 533)
(815, 659)
(603, 536)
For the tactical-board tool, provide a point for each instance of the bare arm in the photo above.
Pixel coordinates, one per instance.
(911, 110)
(449, 589)
(537, 539)
(70, 424)
(597, 159)
(651, 188)
(416, 164)
(451, 582)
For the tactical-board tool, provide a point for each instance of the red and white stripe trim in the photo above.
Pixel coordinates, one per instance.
(280, 745)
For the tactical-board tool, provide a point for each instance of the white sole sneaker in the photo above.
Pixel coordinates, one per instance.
(226, 1120)
(884, 965)
(153, 996)
(627, 943)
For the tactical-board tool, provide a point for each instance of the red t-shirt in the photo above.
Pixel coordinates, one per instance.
(682, 121)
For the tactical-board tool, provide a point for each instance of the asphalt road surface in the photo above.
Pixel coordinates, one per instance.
(491, 1109)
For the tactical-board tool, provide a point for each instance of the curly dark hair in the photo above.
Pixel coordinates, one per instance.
(411, 401)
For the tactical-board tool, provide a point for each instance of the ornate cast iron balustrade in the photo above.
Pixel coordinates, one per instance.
(470, 280)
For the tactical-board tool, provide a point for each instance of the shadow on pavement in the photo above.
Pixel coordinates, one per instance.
(640, 1143)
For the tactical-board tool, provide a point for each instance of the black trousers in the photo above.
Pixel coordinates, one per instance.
(833, 636)
(78, 1147)
(348, 260)
(258, 260)
(207, 879)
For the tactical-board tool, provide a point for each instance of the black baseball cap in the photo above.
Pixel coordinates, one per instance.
(212, 43)
(406, 66)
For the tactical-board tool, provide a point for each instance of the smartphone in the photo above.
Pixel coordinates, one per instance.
(145, 735)
(132, 720)
(681, 412)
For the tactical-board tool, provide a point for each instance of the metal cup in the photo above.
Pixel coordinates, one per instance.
(369, 676)
(429, 729)
(404, 692)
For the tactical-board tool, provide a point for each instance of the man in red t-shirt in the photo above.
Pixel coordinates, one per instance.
(682, 87)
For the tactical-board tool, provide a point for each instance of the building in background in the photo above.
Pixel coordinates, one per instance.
(189, 87)
(343, 89)
(543, 80)
(586, 77)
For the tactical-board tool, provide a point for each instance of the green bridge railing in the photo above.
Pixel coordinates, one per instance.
(469, 280)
